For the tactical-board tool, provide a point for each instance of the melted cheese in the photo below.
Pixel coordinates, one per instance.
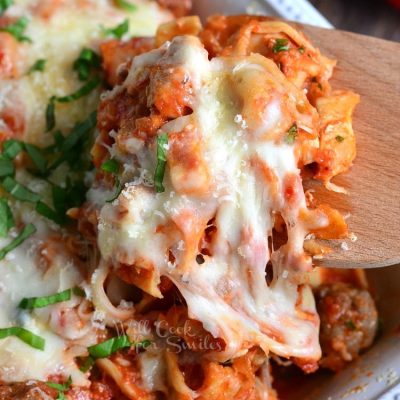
(23, 275)
(59, 39)
(241, 174)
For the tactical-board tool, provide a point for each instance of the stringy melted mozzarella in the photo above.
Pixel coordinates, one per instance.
(59, 38)
(24, 275)
(242, 173)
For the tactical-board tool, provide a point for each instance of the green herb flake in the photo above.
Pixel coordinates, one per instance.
(49, 213)
(119, 31)
(6, 218)
(50, 114)
(83, 91)
(38, 66)
(125, 5)
(59, 197)
(86, 363)
(280, 45)
(76, 193)
(109, 347)
(17, 29)
(28, 230)
(4, 4)
(77, 291)
(19, 191)
(291, 134)
(118, 190)
(162, 142)
(87, 88)
(40, 302)
(350, 325)
(61, 387)
(111, 166)
(88, 59)
(301, 49)
(79, 131)
(26, 336)
(58, 139)
(339, 138)
(11, 148)
(37, 157)
(6, 166)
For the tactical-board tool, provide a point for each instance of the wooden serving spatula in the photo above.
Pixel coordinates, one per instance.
(370, 67)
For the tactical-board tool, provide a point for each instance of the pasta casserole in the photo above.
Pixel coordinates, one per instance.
(166, 240)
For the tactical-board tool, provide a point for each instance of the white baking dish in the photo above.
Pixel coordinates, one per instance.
(376, 375)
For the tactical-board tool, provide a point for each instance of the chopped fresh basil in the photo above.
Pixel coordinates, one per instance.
(39, 65)
(28, 230)
(49, 213)
(87, 60)
(118, 190)
(17, 29)
(280, 45)
(61, 387)
(40, 302)
(58, 139)
(118, 31)
(4, 4)
(73, 195)
(6, 218)
(76, 193)
(125, 5)
(19, 191)
(6, 166)
(77, 291)
(79, 131)
(50, 114)
(83, 91)
(291, 134)
(301, 49)
(110, 346)
(37, 157)
(339, 138)
(110, 166)
(162, 142)
(86, 363)
(59, 196)
(26, 336)
(11, 148)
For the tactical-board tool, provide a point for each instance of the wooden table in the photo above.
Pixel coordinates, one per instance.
(369, 17)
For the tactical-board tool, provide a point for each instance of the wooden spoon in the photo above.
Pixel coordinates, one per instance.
(370, 67)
